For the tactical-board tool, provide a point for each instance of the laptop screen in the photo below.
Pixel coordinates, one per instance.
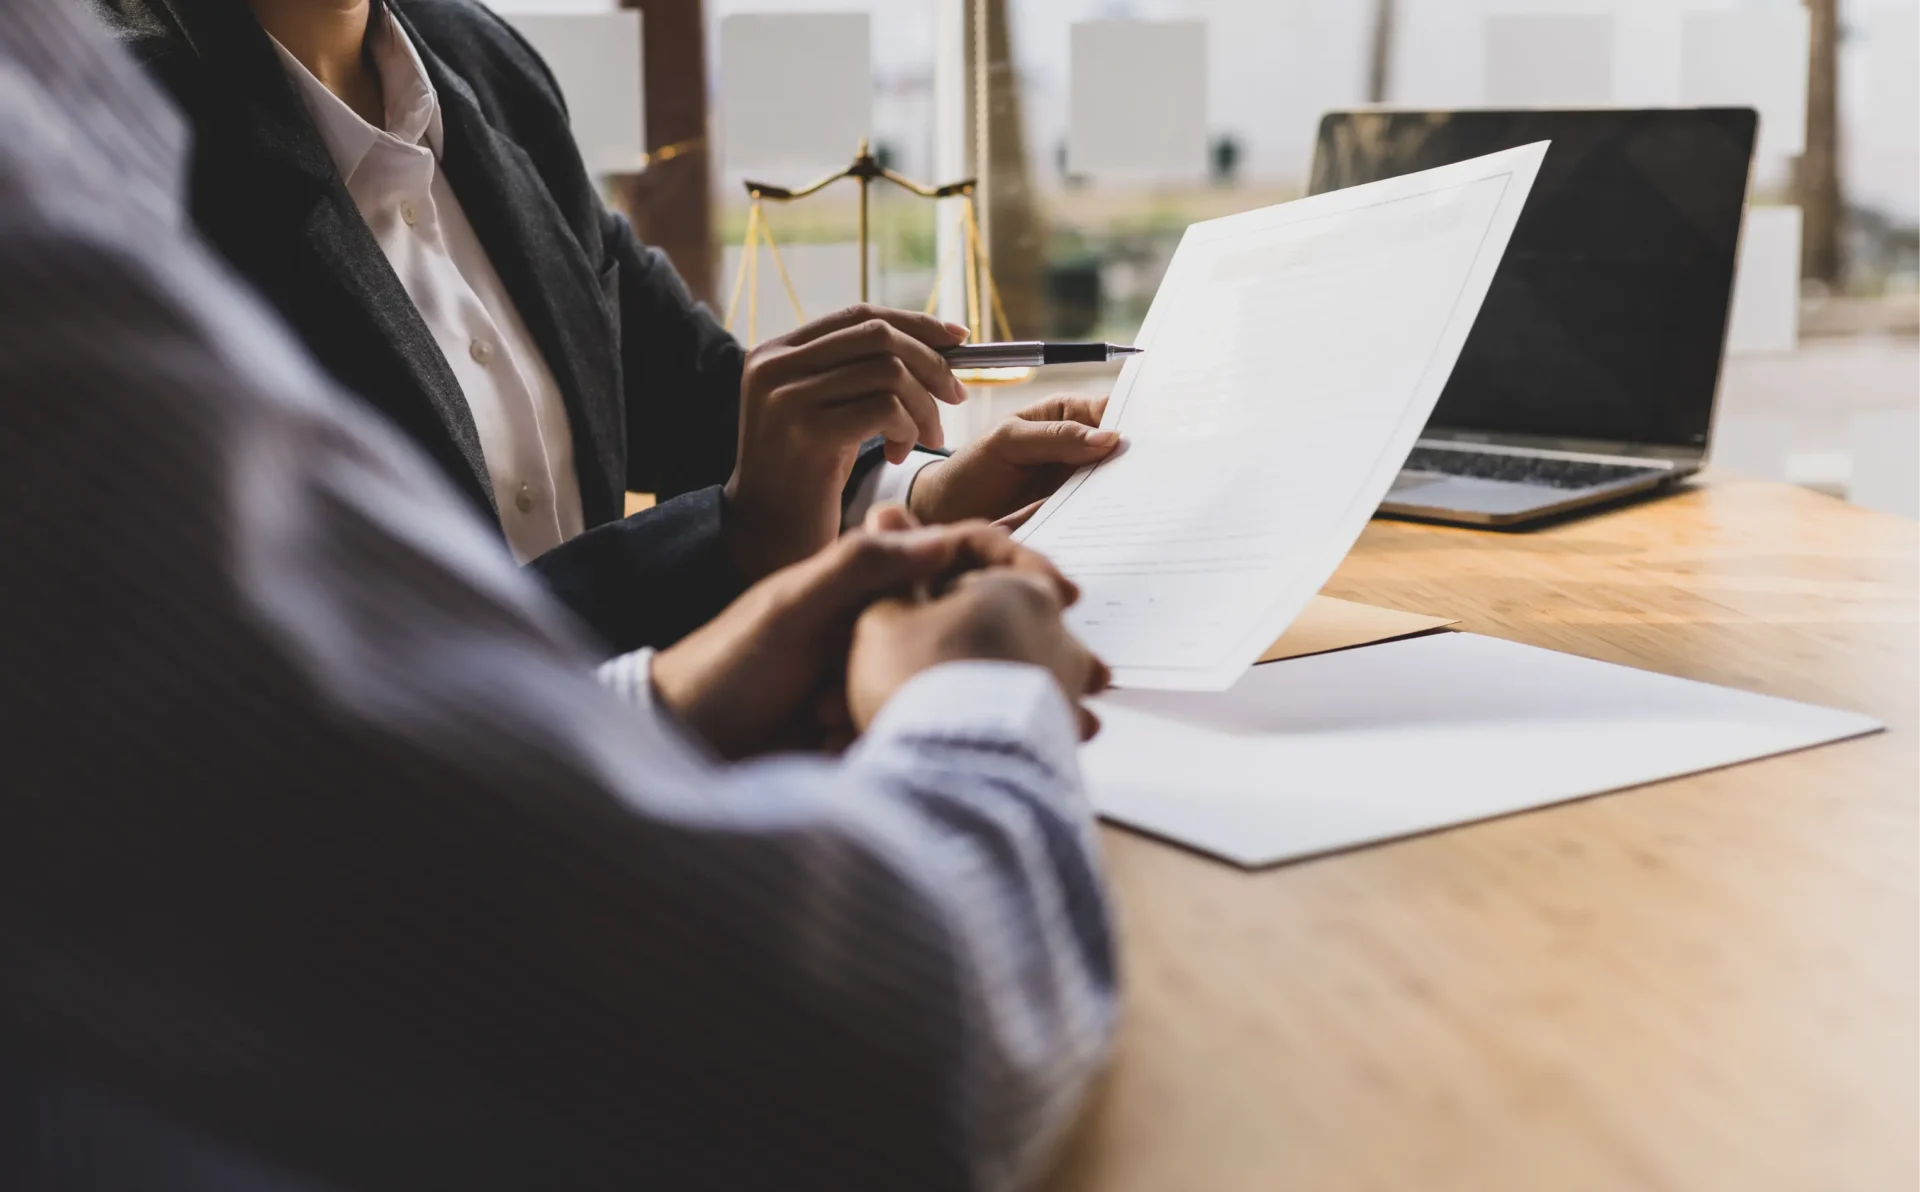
(1609, 311)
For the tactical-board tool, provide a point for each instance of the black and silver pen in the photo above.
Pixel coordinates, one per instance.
(1032, 354)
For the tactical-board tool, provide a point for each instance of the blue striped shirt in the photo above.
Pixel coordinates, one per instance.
(326, 862)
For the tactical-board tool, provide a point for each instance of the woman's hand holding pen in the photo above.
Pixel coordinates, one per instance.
(808, 399)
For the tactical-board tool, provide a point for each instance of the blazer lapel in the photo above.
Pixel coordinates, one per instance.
(336, 234)
(262, 119)
(554, 286)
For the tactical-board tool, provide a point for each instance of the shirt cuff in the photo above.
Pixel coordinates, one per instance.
(629, 677)
(987, 705)
(888, 482)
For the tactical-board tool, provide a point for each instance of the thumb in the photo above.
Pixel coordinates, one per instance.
(1067, 407)
(1019, 517)
(1021, 442)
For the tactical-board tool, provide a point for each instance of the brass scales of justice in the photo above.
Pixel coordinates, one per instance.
(864, 170)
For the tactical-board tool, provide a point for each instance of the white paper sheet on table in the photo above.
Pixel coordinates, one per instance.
(1324, 753)
(1292, 356)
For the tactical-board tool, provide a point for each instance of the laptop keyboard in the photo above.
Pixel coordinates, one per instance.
(1523, 469)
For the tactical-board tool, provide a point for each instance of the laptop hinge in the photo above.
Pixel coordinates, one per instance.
(1591, 457)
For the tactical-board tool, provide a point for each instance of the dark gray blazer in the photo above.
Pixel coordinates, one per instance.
(650, 379)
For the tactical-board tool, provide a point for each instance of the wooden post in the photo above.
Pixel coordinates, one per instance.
(1817, 174)
(865, 235)
(1008, 208)
(1380, 63)
(980, 74)
(671, 205)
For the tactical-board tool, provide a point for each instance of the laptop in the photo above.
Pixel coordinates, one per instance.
(1591, 372)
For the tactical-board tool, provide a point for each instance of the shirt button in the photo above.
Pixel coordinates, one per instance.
(409, 214)
(523, 500)
(481, 351)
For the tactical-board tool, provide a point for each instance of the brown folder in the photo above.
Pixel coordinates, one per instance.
(1329, 624)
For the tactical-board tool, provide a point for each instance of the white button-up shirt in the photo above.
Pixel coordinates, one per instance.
(393, 175)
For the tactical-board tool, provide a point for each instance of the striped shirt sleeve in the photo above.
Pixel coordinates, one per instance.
(319, 836)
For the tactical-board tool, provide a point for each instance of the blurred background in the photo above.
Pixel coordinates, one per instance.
(1101, 128)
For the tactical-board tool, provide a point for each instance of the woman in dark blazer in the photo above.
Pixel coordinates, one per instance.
(750, 456)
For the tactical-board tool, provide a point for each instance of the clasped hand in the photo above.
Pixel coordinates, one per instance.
(807, 657)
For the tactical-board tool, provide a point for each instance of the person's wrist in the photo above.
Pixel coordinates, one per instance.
(923, 492)
(757, 536)
(689, 685)
(670, 677)
(739, 530)
(764, 529)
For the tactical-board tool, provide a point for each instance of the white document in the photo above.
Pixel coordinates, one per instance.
(595, 57)
(1292, 356)
(1549, 59)
(1137, 100)
(1324, 753)
(796, 92)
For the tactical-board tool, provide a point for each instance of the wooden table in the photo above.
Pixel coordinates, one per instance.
(1703, 984)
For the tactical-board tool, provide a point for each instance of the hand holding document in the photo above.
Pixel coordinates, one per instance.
(1292, 355)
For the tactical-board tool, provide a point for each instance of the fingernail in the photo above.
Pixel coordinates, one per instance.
(1102, 438)
(957, 331)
